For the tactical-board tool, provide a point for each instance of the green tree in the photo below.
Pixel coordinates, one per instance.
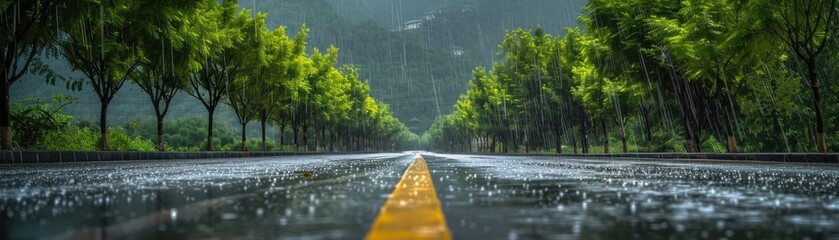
(219, 68)
(101, 42)
(245, 93)
(327, 97)
(706, 38)
(357, 116)
(172, 47)
(636, 56)
(28, 27)
(284, 78)
(806, 27)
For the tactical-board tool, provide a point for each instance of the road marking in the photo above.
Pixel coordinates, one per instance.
(413, 210)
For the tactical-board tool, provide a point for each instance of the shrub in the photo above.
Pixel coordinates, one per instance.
(84, 139)
(712, 145)
(253, 145)
(32, 120)
(121, 141)
(69, 139)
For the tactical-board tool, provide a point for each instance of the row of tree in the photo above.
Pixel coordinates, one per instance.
(216, 52)
(659, 76)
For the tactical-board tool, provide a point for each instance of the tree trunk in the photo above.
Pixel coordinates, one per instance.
(821, 146)
(558, 135)
(5, 115)
(492, 140)
(295, 129)
(244, 136)
(484, 144)
(505, 141)
(306, 137)
(282, 135)
(160, 144)
(515, 142)
(317, 138)
(691, 142)
(584, 136)
(488, 143)
(690, 146)
(624, 144)
(468, 143)
(322, 139)
(210, 130)
(526, 143)
(332, 140)
(647, 128)
(104, 143)
(623, 137)
(605, 135)
(731, 142)
(263, 119)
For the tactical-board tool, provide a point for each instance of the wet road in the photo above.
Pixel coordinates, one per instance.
(312, 197)
(482, 197)
(553, 198)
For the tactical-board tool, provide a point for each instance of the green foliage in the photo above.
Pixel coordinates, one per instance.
(186, 134)
(253, 144)
(695, 75)
(76, 138)
(69, 139)
(32, 122)
(121, 141)
(712, 145)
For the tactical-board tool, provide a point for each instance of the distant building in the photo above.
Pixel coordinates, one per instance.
(457, 51)
(413, 24)
(431, 15)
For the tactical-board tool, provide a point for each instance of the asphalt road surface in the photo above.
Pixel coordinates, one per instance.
(480, 197)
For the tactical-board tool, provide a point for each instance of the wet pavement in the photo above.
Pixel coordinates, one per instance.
(483, 197)
(311, 197)
(488, 197)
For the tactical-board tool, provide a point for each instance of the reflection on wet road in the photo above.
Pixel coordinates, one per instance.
(555, 198)
(482, 197)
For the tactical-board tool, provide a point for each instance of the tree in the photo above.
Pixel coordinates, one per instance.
(805, 26)
(282, 78)
(221, 35)
(28, 27)
(359, 97)
(245, 89)
(717, 49)
(334, 101)
(171, 45)
(590, 84)
(288, 84)
(327, 100)
(624, 26)
(101, 43)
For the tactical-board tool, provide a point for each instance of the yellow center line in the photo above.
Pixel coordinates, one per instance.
(413, 210)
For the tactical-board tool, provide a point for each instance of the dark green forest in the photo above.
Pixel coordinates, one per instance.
(659, 76)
